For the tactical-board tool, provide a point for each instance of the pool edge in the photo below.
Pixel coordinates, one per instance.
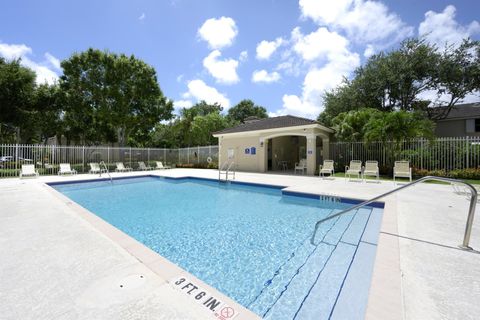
(386, 278)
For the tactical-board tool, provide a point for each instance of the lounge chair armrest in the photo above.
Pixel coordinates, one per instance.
(320, 167)
(347, 168)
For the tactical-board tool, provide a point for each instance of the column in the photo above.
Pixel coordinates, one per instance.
(262, 154)
(311, 154)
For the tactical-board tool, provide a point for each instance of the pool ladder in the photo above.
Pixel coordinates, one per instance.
(471, 210)
(227, 169)
(102, 163)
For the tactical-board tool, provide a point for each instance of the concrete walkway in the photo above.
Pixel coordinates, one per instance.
(56, 265)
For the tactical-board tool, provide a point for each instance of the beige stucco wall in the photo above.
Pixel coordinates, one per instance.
(244, 162)
(258, 162)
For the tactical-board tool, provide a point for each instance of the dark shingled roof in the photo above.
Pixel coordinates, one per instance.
(462, 111)
(269, 123)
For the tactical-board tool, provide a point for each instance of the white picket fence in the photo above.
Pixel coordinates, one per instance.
(47, 158)
(438, 154)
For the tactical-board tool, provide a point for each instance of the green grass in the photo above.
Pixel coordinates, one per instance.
(386, 178)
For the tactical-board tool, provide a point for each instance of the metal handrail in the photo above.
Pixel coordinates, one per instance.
(471, 210)
(106, 170)
(229, 167)
(222, 168)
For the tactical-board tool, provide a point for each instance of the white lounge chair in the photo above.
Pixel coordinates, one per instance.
(354, 169)
(301, 166)
(66, 169)
(402, 170)
(327, 167)
(121, 167)
(142, 166)
(95, 168)
(160, 166)
(371, 170)
(28, 170)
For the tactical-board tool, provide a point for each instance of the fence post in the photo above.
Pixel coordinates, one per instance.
(16, 159)
(83, 158)
(467, 140)
(148, 155)
(198, 154)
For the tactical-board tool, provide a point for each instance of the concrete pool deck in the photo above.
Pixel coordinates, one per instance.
(60, 262)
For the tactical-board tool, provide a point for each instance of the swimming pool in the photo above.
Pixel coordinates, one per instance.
(250, 242)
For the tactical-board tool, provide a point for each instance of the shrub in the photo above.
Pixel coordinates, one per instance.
(470, 173)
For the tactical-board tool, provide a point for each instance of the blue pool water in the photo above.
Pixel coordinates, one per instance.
(251, 243)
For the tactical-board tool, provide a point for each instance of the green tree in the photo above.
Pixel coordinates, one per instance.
(398, 126)
(350, 126)
(111, 98)
(396, 80)
(17, 85)
(204, 126)
(247, 108)
(47, 118)
(369, 125)
(458, 75)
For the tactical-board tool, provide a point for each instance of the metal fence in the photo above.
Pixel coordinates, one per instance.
(47, 158)
(444, 154)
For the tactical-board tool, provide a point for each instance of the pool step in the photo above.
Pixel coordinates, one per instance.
(308, 293)
(279, 281)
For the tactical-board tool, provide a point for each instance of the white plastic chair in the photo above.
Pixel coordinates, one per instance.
(402, 170)
(95, 168)
(28, 170)
(301, 166)
(327, 167)
(160, 166)
(371, 169)
(355, 168)
(66, 169)
(121, 167)
(142, 166)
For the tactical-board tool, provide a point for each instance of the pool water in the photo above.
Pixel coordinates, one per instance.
(251, 243)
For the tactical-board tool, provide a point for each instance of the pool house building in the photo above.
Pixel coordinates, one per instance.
(282, 143)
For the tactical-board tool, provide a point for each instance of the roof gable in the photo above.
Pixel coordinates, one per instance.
(269, 123)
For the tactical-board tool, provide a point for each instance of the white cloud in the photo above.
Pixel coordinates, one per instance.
(180, 78)
(142, 16)
(442, 28)
(316, 82)
(264, 76)
(14, 51)
(318, 44)
(265, 49)
(224, 71)
(180, 104)
(218, 33)
(54, 62)
(201, 91)
(369, 51)
(362, 20)
(44, 73)
(243, 56)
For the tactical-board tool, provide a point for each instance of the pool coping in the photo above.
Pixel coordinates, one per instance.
(384, 297)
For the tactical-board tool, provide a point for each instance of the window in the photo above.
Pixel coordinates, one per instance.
(477, 125)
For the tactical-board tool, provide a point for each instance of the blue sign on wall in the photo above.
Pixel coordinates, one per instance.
(247, 151)
(253, 150)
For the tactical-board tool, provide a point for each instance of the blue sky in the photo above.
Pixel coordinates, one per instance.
(282, 54)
